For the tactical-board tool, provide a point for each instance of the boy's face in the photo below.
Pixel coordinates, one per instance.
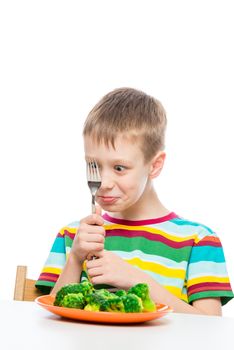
(123, 171)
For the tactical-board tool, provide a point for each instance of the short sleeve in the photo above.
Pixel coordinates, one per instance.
(56, 259)
(207, 275)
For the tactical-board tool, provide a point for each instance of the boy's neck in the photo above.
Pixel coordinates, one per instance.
(148, 207)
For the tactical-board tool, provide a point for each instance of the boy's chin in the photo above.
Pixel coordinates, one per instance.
(112, 208)
(118, 206)
(109, 208)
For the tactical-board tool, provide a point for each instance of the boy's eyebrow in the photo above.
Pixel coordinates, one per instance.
(121, 160)
(114, 160)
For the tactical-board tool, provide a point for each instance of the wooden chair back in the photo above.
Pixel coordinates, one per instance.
(25, 289)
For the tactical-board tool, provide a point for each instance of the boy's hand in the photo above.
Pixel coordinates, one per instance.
(90, 236)
(110, 269)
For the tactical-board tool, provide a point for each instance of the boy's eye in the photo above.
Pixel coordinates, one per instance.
(119, 167)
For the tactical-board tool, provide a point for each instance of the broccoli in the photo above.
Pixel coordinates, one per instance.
(105, 293)
(120, 292)
(132, 303)
(96, 302)
(142, 291)
(84, 296)
(74, 300)
(92, 307)
(103, 300)
(115, 304)
(83, 287)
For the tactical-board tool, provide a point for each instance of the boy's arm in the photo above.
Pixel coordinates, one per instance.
(112, 270)
(207, 306)
(89, 238)
(70, 274)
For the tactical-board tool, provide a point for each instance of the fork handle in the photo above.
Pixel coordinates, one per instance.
(93, 205)
(91, 256)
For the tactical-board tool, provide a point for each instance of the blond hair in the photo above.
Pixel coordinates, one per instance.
(132, 113)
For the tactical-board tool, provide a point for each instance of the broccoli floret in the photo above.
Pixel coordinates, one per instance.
(142, 291)
(74, 300)
(83, 287)
(103, 300)
(132, 303)
(92, 307)
(120, 292)
(115, 304)
(96, 302)
(105, 293)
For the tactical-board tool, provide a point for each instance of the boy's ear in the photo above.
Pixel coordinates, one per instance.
(156, 164)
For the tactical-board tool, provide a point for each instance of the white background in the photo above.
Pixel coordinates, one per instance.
(57, 59)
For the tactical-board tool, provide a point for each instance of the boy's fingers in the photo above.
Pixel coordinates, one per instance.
(99, 254)
(94, 219)
(92, 229)
(95, 255)
(98, 238)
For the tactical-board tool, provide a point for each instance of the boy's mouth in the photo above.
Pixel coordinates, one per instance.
(107, 199)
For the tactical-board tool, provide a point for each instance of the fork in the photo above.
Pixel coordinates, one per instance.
(94, 180)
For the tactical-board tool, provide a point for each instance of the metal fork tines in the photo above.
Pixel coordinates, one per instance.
(94, 180)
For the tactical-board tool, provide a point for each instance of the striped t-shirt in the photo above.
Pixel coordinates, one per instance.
(185, 257)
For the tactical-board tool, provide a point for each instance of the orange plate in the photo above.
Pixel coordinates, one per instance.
(47, 301)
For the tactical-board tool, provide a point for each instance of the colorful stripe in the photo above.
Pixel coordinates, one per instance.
(150, 236)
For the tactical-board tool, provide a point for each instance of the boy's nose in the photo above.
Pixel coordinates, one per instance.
(107, 182)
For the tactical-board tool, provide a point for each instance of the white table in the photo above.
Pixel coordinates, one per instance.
(25, 325)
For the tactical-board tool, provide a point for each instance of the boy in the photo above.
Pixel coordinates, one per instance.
(137, 239)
